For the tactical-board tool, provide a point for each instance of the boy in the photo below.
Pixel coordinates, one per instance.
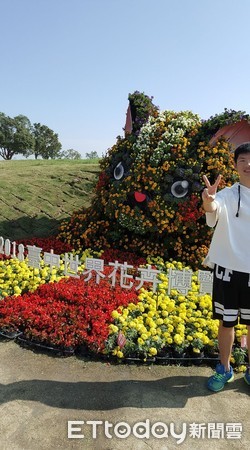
(229, 256)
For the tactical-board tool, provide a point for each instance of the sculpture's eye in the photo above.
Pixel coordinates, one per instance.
(118, 171)
(179, 188)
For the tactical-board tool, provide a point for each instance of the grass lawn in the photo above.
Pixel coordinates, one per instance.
(35, 195)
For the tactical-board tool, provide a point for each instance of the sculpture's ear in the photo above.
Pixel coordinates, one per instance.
(235, 133)
(129, 123)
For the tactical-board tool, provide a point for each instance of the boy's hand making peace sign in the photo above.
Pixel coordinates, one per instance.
(208, 195)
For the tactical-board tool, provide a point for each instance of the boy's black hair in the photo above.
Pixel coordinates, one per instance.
(243, 148)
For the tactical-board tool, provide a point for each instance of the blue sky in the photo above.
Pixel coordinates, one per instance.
(70, 64)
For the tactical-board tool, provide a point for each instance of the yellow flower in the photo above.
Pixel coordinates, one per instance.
(113, 328)
(242, 368)
(17, 290)
(159, 321)
(152, 351)
(178, 339)
(115, 314)
(196, 350)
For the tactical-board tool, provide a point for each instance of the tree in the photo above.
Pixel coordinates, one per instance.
(15, 136)
(92, 155)
(69, 154)
(47, 144)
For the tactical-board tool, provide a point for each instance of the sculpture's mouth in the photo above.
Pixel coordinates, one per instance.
(140, 197)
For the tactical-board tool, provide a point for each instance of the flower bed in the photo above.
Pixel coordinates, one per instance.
(68, 314)
(169, 326)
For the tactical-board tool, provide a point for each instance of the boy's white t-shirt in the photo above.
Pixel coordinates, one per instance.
(230, 245)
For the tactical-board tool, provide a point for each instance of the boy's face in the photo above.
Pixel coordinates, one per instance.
(242, 166)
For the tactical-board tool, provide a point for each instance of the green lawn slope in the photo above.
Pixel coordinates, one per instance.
(35, 195)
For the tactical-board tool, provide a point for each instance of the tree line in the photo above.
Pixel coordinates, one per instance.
(19, 136)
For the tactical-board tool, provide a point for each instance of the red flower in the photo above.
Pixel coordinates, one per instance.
(47, 244)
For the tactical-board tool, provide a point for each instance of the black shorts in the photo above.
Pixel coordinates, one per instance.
(231, 296)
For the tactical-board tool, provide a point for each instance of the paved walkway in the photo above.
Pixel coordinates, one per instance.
(39, 394)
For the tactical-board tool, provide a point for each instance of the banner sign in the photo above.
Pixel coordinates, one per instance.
(181, 280)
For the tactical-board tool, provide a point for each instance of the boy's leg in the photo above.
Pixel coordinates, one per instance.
(225, 340)
(225, 309)
(223, 372)
(248, 343)
(247, 374)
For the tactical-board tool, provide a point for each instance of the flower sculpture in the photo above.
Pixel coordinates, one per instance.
(147, 199)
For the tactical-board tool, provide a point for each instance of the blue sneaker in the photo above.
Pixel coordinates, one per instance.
(247, 376)
(217, 381)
